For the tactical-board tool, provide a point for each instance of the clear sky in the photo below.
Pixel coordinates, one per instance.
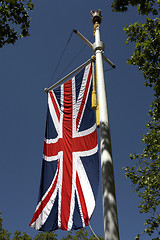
(27, 68)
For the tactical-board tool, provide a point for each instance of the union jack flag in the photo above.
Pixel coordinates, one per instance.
(69, 179)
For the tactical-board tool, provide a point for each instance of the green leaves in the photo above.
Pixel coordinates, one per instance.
(4, 234)
(79, 234)
(18, 236)
(10, 1)
(14, 20)
(147, 47)
(145, 174)
(144, 7)
(46, 236)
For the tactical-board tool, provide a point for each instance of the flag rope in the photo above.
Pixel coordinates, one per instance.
(61, 57)
(93, 231)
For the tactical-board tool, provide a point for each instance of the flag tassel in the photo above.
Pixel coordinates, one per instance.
(95, 105)
(97, 108)
(94, 100)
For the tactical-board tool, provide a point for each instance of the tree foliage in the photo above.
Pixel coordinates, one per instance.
(145, 174)
(14, 20)
(46, 236)
(18, 236)
(4, 234)
(147, 48)
(145, 7)
(79, 235)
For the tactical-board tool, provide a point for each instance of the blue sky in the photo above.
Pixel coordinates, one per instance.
(27, 68)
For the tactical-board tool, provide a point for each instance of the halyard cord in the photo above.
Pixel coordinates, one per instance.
(73, 60)
(60, 57)
(108, 69)
(93, 232)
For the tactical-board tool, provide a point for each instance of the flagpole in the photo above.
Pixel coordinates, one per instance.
(111, 230)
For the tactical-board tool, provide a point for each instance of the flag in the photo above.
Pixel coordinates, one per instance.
(70, 169)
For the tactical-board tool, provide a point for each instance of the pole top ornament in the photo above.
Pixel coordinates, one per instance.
(96, 16)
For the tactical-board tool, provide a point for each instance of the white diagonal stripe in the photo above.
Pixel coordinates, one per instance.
(86, 187)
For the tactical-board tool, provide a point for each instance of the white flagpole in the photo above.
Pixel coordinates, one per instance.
(111, 231)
